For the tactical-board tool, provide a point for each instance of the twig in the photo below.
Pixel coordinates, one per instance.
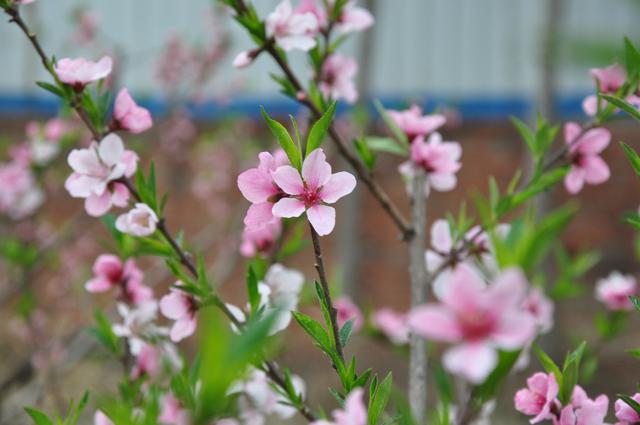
(418, 273)
(16, 18)
(333, 312)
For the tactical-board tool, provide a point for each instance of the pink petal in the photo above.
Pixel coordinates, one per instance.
(472, 361)
(595, 169)
(256, 185)
(514, 330)
(111, 149)
(594, 141)
(182, 328)
(289, 180)
(108, 265)
(316, 171)
(508, 290)
(322, 218)
(433, 321)
(441, 236)
(288, 207)
(174, 305)
(574, 180)
(590, 105)
(97, 206)
(97, 285)
(259, 215)
(466, 290)
(571, 132)
(339, 185)
(443, 182)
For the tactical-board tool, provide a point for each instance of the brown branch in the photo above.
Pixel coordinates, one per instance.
(273, 371)
(333, 312)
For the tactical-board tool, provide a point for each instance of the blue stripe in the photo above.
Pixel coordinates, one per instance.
(471, 109)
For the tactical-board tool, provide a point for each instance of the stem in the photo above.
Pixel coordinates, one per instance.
(333, 312)
(418, 274)
(363, 173)
(273, 370)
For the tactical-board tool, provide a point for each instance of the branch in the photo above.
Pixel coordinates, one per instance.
(418, 273)
(333, 312)
(273, 371)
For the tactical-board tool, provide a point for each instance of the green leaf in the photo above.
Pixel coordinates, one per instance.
(38, 417)
(633, 156)
(315, 330)
(368, 157)
(324, 307)
(252, 289)
(284, 139)
(319, 129)
(391, 124)
(631, 402)
(345, 332)
(547, 363)
(378, 401)
(571, 372)
(386, 144)
(103, 332)
(632, 58)
(527, 135)
(622, 104)
(51, 88)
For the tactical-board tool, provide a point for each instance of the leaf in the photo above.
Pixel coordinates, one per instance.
(547, 363)
(633, 156)
(38, 417)
(386, 144)
(103, 332)
(527, 135)
(622, 104)
(632, 57)
(51, 88)
(391, 124)
(252, 289)
(378, 401)
(284, 140)
(345, 332)
(571, 372)
(368, 157)
(314, 329)
(319, 129)
(631, 402)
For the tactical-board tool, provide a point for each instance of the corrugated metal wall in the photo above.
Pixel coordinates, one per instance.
(458, 48)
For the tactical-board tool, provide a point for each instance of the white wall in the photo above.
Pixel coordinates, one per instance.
(465, 48)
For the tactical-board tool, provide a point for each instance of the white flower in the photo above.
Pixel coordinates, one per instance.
(140, 221)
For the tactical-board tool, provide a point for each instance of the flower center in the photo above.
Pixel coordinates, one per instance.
(310, 198)
(476, 325)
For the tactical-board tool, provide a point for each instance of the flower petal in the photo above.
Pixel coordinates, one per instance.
(339, 185)
(288, 207)
(289, 180)
(436, 322)
(472, 361)
(316, 171)
(322, 218)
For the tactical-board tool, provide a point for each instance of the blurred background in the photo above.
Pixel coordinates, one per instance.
(479, 62)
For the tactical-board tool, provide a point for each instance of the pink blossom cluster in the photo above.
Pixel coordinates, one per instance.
(298, 28)
(440, 160)
(353, 413)
(585, 147)
(614, 291)
(540, 400)
(278, 190)
(608, 81)
(20, 195)
(478, 319)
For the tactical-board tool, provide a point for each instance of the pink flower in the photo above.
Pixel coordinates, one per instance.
(615, 291)
(140, 221)
(478, 318)
(608, 80)
(625, 413)
(129, 116)
(414, 124)
(354, 412)
(94, 173)
(393, 325)
(336, 79)
(258, 187)
(440, 160)
(313, 191)
(243, 59)
(347, 310)
(583, 410)
(353, 19)
(172, 412)
(147, 362)
(541, 308)
(181, 307)
(292, 30)
(261, 239)
(20, 195)
(109, 272)
(80, 72)
(586, 165)
(100, 418)
(539, 398)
